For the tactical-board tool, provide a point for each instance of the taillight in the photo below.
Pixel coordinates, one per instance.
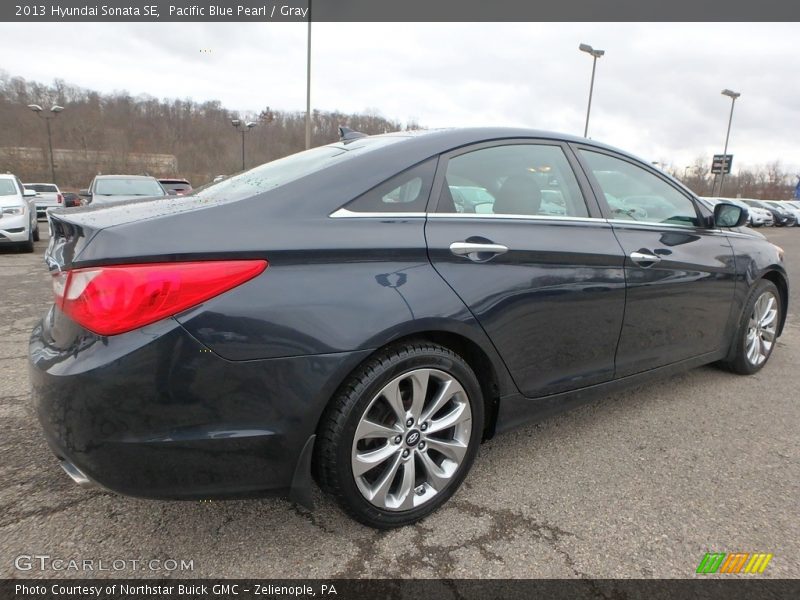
(60, 198)
(116, 299)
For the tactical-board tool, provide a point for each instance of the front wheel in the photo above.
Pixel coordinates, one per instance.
(758, 330)
(400, 437)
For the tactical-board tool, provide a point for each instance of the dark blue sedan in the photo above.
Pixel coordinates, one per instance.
(349, 315)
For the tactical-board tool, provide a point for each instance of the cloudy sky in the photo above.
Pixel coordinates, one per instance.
(657, 91)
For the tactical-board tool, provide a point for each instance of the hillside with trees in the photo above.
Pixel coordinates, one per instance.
(196, 140)
(118, 125)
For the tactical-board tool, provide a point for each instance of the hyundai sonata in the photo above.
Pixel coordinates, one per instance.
(337, 315)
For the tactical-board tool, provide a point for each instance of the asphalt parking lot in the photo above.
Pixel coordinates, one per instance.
(639, 484)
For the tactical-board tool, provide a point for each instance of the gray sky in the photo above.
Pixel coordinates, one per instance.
(657, 91)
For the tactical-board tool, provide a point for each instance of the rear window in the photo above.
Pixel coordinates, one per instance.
(41, 187)
(7, 188)
(127, 187)
(175, 185)
(284, 170)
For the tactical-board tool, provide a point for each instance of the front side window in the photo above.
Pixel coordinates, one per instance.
(634, 194)
(516, 179)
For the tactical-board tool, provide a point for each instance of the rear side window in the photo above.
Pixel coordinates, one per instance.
(407, 192)
(515, 179)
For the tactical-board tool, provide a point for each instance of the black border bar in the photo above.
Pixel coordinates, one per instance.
(399, 10)
(701, 588)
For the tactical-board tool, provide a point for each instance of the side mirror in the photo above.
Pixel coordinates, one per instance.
(29, 193)
(172, 192)
(729, 215)
(84, 193)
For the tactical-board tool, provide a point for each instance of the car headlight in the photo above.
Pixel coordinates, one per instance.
(13, 210)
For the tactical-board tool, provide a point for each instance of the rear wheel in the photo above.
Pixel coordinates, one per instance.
(758, 330)
(400, 437)
(36, 232)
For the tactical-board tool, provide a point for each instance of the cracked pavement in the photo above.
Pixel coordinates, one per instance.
(638, 484)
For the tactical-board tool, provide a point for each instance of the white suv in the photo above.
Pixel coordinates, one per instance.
(18, 224)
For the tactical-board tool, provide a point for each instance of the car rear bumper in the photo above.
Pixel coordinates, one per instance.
(154, 413)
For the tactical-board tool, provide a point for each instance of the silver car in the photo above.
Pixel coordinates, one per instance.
(18, 224)
(106, 189)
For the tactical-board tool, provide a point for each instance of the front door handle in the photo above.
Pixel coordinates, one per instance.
(645, 259)
(477, 252)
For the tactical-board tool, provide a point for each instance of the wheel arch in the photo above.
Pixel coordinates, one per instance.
(780, 281)
(491, 372)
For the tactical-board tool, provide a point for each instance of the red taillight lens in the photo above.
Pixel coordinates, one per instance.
(112, 300)
(60, 198)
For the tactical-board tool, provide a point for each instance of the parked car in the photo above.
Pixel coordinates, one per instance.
(71, 199)
(18, 224)
(106, 189)
(176, 187)
(373, 343)
(781, 217)
(47, 196)
(786, 207)
(757, 217)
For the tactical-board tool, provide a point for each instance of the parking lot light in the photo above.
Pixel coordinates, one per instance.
(733, 96)
(243, 127)
(595, 53)
(54, 110)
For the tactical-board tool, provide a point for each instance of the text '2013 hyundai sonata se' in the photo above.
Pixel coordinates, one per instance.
(365, 313)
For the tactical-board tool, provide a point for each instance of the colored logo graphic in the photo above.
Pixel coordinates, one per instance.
(736, 562)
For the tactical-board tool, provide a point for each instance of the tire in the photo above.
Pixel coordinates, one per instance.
(27, 247)
(752, 345)
(407, 477)
(36, 232)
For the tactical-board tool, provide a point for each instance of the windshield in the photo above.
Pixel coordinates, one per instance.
(279, 172)
(128, 187)
(41, 187)
(7, 188)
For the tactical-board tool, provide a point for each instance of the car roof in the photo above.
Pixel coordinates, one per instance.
(457, 136)
(124, 177)
(7, 176)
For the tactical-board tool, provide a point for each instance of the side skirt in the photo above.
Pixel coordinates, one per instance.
(518, 410)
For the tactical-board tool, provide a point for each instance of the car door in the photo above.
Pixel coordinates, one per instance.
(520, 238)
(680, 272)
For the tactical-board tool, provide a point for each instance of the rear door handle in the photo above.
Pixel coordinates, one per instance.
(477, 252)
(644, 259)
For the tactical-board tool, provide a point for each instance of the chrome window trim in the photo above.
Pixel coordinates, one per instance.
(564, 218)
(655, 224)
(344, 213)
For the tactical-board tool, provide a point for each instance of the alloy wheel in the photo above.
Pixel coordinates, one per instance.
(411, 439)
(761, 328)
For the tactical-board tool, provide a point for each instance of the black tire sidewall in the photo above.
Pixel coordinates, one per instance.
(360, 507)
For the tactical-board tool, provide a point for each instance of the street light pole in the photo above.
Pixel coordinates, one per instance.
(54, 110)
(308, 81)
(595, 55)
(242, 127)
(733, 96)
